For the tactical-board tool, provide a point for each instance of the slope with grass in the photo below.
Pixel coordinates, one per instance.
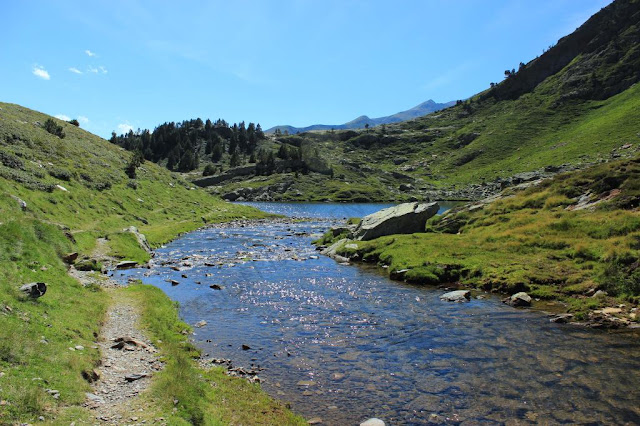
(562, 240)
(59, 195)
(575, 105)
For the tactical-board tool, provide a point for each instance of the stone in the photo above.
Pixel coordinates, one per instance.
(94, 398)
(406, 218)
(561, 318)
(134, 377)
(456, 296)
(34, 290)
(70, 257)
(216, 286)
(306, 383)
(245, 347)
(126, 264)
(611, 311)
(520, 299)
(315, 421)
(600, 293)
(337, 376)
(174, 282)
(201, 323)
(87, 265)
(372, 422)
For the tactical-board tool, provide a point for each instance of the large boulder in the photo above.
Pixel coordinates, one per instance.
(406, 218)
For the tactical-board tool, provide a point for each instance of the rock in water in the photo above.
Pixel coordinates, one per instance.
(34, 290)
(520, 299)
(372, 422)
(126, 264)
(457, 296)
(406, 218)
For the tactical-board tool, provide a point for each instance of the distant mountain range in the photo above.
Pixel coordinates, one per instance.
(359, 123)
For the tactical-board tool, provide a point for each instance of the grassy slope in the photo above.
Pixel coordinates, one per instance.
(574, 104)
(527, 134)
(531, 242)
(35, 336)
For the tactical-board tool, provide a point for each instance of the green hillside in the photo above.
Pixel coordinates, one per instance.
(58, 195)
(577, 104)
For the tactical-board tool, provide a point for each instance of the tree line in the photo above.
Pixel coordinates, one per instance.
(183, 144)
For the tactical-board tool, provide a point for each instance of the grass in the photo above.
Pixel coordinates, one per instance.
(529, 241)
(59, 196)
(205, 397)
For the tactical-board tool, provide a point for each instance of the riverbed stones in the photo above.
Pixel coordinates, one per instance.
(406, 218)
(372, 422)
(456, 296)
(519, 300)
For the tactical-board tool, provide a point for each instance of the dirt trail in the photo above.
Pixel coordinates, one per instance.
(128, 358)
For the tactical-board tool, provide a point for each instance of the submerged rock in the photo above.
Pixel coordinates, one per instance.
(457, 296)
(406, 218)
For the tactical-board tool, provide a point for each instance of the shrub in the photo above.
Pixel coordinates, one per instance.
(54, 128)
(209, 170)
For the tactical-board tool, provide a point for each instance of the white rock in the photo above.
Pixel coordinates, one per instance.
(372, 422)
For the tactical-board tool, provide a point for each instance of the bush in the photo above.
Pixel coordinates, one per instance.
(54, 128)
(209, 170)
(74, 122)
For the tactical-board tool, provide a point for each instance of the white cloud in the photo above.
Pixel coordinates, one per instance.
(90, 53)
(39, 71)
(124, 128)
(62, 117)
(97, 70)
(75, 70)
(82, 119)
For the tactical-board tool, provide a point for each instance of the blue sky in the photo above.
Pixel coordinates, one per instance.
(120, 64)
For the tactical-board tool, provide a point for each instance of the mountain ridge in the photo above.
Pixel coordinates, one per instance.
(360, 122)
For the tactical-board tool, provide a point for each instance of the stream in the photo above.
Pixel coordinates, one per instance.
(345, 343)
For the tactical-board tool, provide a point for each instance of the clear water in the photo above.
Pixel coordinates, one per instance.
(377, 348)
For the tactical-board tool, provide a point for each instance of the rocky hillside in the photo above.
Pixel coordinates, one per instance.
(575, 105)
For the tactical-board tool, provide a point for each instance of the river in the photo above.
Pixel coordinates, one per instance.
(345, 343)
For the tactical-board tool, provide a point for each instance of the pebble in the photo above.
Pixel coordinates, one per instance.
(315, 421)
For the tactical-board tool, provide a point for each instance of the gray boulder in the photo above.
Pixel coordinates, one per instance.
(457, 296)
(34, 290)
(406, 218)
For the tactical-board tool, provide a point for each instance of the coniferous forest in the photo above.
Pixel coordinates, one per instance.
(181, 144)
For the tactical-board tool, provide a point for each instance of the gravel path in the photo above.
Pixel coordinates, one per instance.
(128, 362)
(128, 358)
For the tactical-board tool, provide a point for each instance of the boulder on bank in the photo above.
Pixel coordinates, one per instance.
(520, 299)
(406, 218)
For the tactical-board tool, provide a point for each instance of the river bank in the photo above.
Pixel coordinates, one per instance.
(570, 241)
